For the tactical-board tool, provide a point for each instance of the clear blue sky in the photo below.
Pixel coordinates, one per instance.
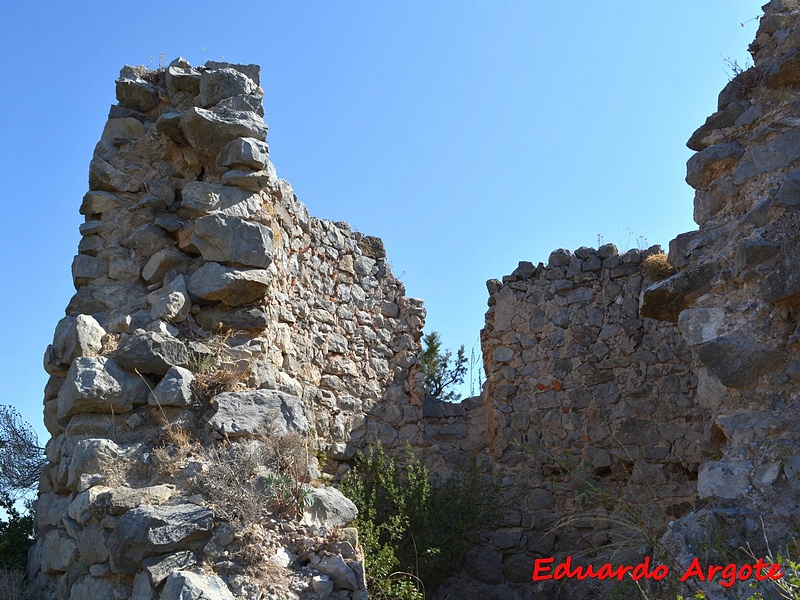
(468, 135)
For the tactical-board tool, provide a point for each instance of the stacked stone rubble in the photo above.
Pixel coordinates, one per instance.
(736, 297)
(611, 400)
(194, 253)
(589, 415)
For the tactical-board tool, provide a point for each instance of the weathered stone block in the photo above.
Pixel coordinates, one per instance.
(147, 531)
(209, 130)
(232, 240)
(738, 361)
(251, 412)
(99, 385)
(234, 287)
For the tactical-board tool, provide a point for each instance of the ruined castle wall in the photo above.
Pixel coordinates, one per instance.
(735, 297)
(195, 256)
(588, 414)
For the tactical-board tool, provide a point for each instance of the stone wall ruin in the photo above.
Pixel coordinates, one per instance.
(610, 397)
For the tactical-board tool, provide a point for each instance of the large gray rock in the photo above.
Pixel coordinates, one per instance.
(329, 508)
(710, 163)
(201, 198)
(253, 181)
(234, 287)
(723, 479)
(86, 269)
(160, 263)
(77, 336)
(151, 352)
(780, 151)
(783, 282)
(174, 389)
(209, 130)
(232, 240)
(251, 71)
(93, 457)
(181, 77)
(105, 177)
(252, 412)
(60, 552)
(92, 544)
(170, 303)
(93, 588)
(738, 361)
(185, 585)
(99, 385)
(788, 194)
(219, 319)
(134, 92)
(100, 501)
(340, 573)
(700, 325)
(160, 567)
(148, 531)
(99, 202)
(244, 153)
(218, 84)
(664, 300)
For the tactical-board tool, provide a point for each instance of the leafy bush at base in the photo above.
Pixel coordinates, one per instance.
(414, 532)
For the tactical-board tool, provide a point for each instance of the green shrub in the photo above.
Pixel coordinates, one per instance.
(414, 531)
(16, 536)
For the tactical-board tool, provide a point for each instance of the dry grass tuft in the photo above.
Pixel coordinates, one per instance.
(13, 585)
(656, 267)
(247, 481)
(208, 384)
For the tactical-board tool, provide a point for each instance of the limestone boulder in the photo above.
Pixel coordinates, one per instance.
(185, 585)
(234, 287)
(99, 385)
(209, 130)
(221, 319)
(151, 352)
(99, 501)
(253, 181)
(134, 92)
(105, 177)
(174, 389)
(160, 567)
(160, 263)
(723, 479)
(218, 84)
(59, 551)
(181, 77)
(244, 153)
(147, 531)
(86, 269)
(343, 577)
(251, 412)
(665, 299)
(96, 457)
(201, 198)
(227, 239)
(96, 588)
(77, 336)
(329, 508)
(739, 361)
(170, 303)
(783, 282)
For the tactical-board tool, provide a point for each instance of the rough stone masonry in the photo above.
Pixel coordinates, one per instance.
(622, 417)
